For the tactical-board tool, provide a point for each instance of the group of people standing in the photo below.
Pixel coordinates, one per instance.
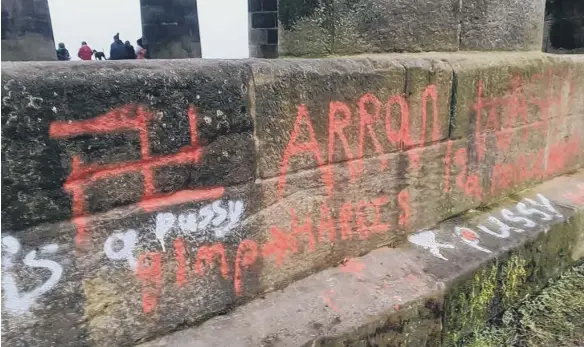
(118, 51)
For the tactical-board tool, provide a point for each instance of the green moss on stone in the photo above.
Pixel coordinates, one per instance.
(501, 285)
(469, 305)
(514, 276)
(554, 317)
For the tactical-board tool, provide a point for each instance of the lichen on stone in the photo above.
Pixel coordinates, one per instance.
(514, 275)
(468, 307)
(554, 317)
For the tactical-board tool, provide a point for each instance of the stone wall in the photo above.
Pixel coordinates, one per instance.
(27, 33)
(330, 27)
(161, 193)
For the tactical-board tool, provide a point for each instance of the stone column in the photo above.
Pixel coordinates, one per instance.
(170, 28)
(263, 28)
(27, 33)
(564, 26)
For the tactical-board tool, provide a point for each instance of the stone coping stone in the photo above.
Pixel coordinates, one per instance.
(448, 282)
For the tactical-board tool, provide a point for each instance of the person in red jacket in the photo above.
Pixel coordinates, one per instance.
(85, 52)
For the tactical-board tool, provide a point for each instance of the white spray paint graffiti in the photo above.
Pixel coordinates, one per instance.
(540, 208)
(512, 217)
(544, 203)
(504, 230)
(470, 237)
(126, 252)
(19, 303)
(427, 240)
(214, 217)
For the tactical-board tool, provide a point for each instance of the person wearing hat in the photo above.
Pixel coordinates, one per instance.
(118, 50)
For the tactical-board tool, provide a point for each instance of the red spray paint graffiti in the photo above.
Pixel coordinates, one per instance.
(576, 197)
(207, 254)
(149, 271)
(505, 116)
(293, 148)
(340, 117)
(305, 233)
(247, 254)
(284, 244)
(134, 118)
(128, 118)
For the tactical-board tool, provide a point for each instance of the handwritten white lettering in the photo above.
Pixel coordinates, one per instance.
(495, 226)
(217, 217)
(470, 237)
(504, 230)
(19, 303)
(126, 252)
(512, 217)
(427, 240)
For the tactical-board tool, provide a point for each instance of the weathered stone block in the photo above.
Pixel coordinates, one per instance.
(171, 29)
(514, 91)
(27, 33)
(291, 109)
(192, 117)
(150, 273)
(119, 176)
(42, 294)
(502, 24)
(349, 27)
(341, 120)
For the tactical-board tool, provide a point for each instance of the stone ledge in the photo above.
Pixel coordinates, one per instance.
(462, 272)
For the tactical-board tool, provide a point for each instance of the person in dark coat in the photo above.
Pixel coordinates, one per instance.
(130, 53)
(62, 52)
(118, 49)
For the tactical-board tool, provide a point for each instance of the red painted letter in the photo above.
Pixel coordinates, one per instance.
(403, 200)
(149, 272)
(431, 92)
(400, 138)
(305, 228)
(181, 271)
(326, 224)
(280, 245)
(311, 146)
(206, 255)
(336, 126)
(345, 218)
(366, 120)
(247, 254)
